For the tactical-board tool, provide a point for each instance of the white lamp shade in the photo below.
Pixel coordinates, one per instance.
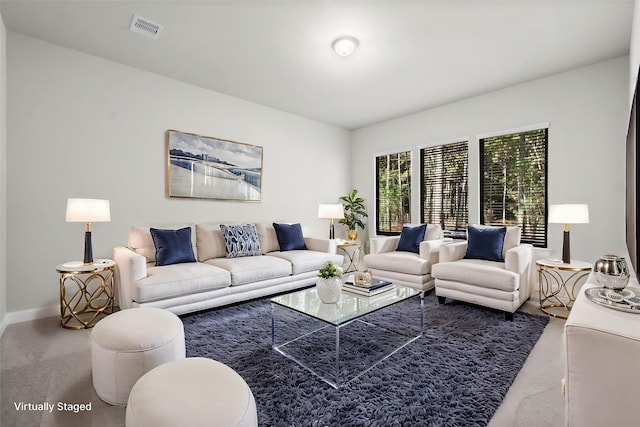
(330, 211)
(88, 210)
(569, 214)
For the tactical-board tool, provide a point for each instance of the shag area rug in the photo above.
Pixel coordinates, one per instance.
(456, 374)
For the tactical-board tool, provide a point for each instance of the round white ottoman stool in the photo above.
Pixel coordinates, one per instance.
(194, 392)
(127, 344)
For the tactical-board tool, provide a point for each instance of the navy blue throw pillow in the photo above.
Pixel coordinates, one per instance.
(411, 237)
(485, 243)
(173, 246)
(289, 236)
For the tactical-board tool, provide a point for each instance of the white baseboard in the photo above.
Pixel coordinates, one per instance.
(33, 314)
(27, 315)
(3, 325)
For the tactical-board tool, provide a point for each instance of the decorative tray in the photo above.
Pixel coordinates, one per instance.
(626, 300)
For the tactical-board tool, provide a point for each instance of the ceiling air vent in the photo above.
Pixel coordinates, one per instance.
(145, 27)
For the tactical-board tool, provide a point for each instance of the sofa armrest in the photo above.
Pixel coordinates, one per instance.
(321, 245)
(383, 244)
(130, 268)
(453, 251)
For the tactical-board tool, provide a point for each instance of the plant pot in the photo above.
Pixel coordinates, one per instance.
(352, 234)
(329, 289)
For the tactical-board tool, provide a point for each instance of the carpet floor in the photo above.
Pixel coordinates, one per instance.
(456, 374)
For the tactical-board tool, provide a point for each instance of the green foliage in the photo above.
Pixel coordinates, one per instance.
(444, 189)
(330, 270)
(394, 189)
(514, 175)
(354, 210)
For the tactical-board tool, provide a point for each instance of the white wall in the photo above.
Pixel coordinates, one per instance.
(81, 126)
(3, 175)
(587, 114)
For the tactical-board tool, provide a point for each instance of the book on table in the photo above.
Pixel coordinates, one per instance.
(375, 287)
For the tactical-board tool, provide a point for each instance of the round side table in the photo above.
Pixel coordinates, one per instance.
(86, 292)
(557, 284)
(352, 250)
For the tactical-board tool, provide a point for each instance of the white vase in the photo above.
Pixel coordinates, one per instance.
(329, 289)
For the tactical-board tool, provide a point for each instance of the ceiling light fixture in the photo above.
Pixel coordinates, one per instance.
(344, 46)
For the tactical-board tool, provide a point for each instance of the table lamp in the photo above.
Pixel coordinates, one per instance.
(331, 212)
(568, 214)
(88, 211)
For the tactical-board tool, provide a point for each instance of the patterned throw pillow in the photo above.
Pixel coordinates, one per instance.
(241, 240)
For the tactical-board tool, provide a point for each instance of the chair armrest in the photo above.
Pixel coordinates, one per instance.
(453, 251)
(383, 244)
(429, 248)
(518, 259)
(131, 267)
(321, 245)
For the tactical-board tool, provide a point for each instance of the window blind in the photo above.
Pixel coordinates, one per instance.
(393, 190)
(444, 185)
(513, 183)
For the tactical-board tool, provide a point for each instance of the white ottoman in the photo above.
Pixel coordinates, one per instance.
(127, 344)
(191, 392)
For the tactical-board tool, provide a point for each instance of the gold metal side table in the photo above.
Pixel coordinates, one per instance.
(557, 284)
(353, 251)
(86, 292)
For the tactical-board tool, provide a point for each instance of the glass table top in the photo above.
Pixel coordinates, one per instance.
(349, 307)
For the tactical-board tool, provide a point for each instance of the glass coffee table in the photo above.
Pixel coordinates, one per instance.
(341, 342)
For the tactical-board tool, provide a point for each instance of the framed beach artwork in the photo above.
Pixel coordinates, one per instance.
(204, 167)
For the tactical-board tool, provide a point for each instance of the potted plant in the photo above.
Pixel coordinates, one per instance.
(329, 283)
(354, 213)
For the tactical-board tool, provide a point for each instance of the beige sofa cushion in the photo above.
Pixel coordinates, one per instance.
(488, 274)
(398, 261)
(303, 261)
(141, 242)
(267, 237)
(209, 241)
(252, 268)
(433, 232)
(175, 280)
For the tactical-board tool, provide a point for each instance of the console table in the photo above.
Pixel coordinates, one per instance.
(602, 380)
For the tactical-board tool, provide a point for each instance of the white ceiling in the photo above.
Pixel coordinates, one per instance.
(413, 55)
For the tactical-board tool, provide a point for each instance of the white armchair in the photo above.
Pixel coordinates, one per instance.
(401, 267)
(501, 285)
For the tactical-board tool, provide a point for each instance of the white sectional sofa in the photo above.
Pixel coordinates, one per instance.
(214, 280)
(602, 350)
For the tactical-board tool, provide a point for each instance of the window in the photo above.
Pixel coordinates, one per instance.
(513, 183)
(443, 185)
(393, 192)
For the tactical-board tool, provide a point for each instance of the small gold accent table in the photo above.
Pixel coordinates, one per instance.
(86, 292)
(353, 256)
(557, 284)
